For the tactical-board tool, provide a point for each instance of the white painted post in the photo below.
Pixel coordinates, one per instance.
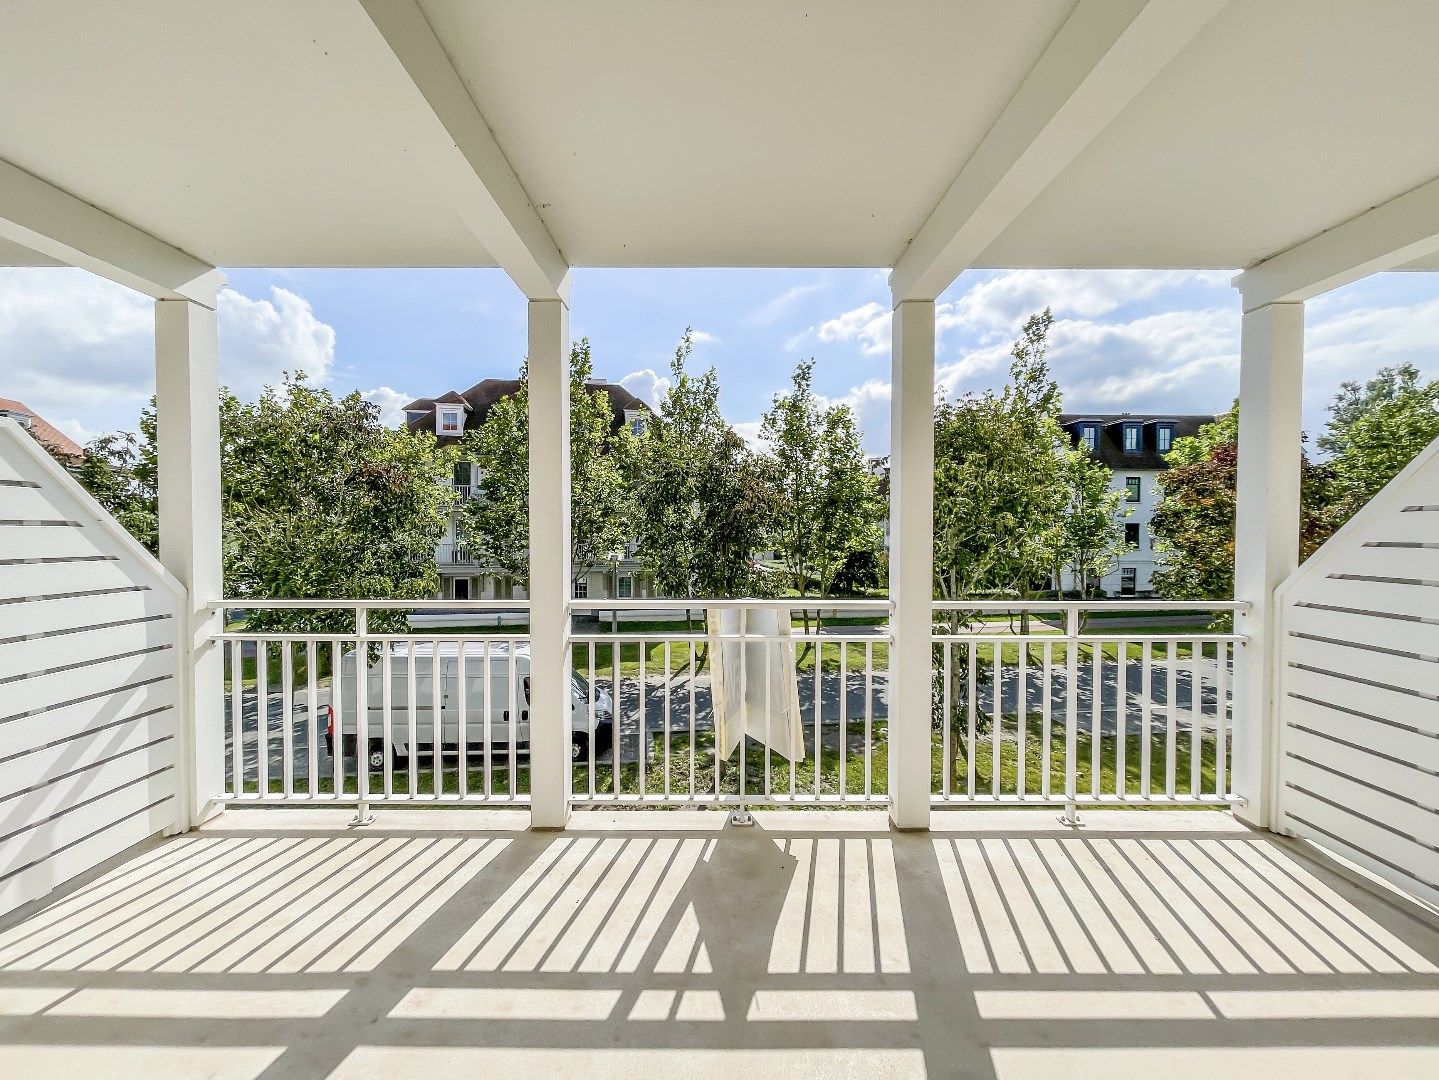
(549, 364)
(1266, 538)
(911, 562)
(187, 408)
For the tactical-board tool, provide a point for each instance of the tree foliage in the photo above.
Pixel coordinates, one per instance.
(1375, 429)
(999, 498)
(319, 500)
(497, 525)
(1091, 534)
(701, 501)
(826, 498)
(1193, 524)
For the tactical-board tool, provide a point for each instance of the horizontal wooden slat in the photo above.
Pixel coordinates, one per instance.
(30, 542)
(45, 691)
(88, 714)
(70, 612)
(21, 656)
(1311, 743)
(1379, 596)
(1377, 630)
(1413, 861)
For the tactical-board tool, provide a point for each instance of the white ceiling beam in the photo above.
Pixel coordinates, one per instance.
(1388, 236)
(51, 222)
(1103, 55)
(462, 155)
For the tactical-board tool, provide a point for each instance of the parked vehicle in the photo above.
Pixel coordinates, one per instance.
(496, 703)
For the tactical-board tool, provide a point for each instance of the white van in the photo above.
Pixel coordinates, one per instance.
(505, 661)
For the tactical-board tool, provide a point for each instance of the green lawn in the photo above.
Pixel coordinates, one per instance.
(828, 767)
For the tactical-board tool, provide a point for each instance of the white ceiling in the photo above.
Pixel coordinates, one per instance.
(685, 132)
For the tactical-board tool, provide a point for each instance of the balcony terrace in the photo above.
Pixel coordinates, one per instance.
(1014, 851)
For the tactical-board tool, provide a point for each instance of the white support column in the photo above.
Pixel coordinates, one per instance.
(1266, 536)
(549, 364)
(187, 406)
(911, 562)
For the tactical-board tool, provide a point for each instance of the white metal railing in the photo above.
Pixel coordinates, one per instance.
(303, 727)
(660, 746)
(457, 555)
(1051, 703)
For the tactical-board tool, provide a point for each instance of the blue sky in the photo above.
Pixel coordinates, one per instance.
(80, 350)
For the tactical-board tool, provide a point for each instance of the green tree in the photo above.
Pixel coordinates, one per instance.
(1193, 523)
(119, 470)
(1374, 430)
(688, 471)
(497, 525)
(827, 502)
(1091, 533)
(318, 500)
(321, 500)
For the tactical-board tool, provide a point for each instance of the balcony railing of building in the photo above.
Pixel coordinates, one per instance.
(1042, 703)
(457, 555)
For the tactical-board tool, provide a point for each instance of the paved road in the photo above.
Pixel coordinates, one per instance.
(854, 693)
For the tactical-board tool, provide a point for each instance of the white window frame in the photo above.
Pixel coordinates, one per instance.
(1089, 436)
(1164, 438)
(449, 420)
(582, 589)
(1138, 432)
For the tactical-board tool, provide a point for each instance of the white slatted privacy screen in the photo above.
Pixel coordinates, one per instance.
(1359, 687)
(88, 679)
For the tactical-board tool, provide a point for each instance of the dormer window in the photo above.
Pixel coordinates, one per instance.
(1133, 438)
(635, 421)
(1089, 436)
(1164, 438)
(449, 420)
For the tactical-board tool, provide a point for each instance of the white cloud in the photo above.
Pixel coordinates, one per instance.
(261, 338)
(703, 337)
(868, 324)
(748, 430)
(81, 350)
(391, 402)
(771, 312)
(647, 385)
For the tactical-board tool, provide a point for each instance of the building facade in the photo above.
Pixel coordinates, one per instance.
(1133, 446)
(463, 574)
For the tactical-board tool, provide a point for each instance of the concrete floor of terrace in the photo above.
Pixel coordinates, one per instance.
(276, 943)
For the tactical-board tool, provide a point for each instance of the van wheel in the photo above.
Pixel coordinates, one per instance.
(377, 754)
(579, 746)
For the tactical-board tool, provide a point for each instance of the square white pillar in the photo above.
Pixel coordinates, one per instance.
(911, 562)
(1266, 539)
(549, 366)
(187, 409)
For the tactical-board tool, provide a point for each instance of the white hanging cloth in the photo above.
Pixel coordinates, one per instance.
(754, 684)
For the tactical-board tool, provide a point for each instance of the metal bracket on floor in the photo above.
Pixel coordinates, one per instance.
(1070, 818)
(741, 817)
(362, 817)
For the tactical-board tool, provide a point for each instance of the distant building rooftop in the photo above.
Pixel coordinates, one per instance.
(46, 433)
(1109, 443)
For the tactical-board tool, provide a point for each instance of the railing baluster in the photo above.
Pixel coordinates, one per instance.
(843, 720)
(996, 712)
(1096, 714)
(1021, 710)
(462, 721)
(667, 719)
(972, 708)
(1146, 719)
(337, 708)
(1196, 713)
(1221, 721)
(486, 721)
(437, 721)
(515, 715)
(590, 655)
(1121, 718)
(818, 722)
(1046, 698)
(412, 757)
(615, 696)
(387, 720)
(868, 719)
(1171, 719)
(693, 647)
(644, 739)
(262, 715)
(312, 747)
(287, 718)
(1071, 713)
(237, 726)
(946, 728)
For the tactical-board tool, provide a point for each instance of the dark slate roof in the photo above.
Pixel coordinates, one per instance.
(1111, 435)
(420, 414)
